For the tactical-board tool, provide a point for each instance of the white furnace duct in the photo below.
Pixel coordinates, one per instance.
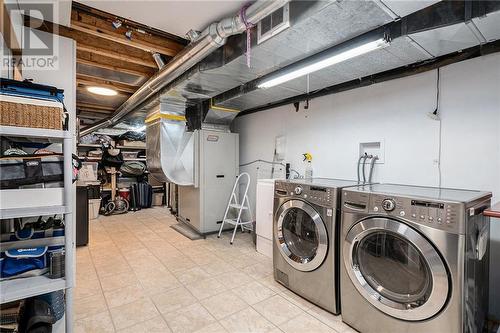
(203, 162)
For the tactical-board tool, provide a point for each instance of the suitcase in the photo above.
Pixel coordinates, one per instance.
(145, 195)
(31, 90)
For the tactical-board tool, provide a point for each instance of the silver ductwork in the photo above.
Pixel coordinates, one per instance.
(209, 40)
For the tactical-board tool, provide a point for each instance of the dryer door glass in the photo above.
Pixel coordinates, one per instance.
(396, 268)
(301, 235)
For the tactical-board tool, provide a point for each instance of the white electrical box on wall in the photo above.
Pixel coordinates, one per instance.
(375, 148)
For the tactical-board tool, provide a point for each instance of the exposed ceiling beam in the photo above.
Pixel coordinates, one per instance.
(96, 63)
(10, 39)
(91, 115)
(94, 44)
(7, 29)
(94, 107)
(92, 81)
(90, 76)
(129, 23)
(103, 28)
(116, 55)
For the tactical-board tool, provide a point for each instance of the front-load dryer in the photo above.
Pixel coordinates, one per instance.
(414, 259)
(305, 246)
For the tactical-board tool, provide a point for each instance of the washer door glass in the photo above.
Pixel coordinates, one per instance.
(396, 268)
(301, 235)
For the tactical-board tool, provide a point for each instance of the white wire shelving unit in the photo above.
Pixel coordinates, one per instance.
(37, 202)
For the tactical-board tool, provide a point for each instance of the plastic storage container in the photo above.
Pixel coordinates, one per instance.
(94, 206)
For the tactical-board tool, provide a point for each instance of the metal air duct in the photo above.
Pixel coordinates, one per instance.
(209, 40)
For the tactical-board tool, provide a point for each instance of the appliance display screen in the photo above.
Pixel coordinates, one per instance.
(427, 204)
(320, 189)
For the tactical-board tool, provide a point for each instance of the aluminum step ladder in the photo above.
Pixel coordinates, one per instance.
(235, 205)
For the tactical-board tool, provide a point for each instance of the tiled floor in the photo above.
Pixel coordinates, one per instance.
(139, 275)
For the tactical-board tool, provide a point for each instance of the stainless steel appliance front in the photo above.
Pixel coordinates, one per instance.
(404, 259)
(305, 250)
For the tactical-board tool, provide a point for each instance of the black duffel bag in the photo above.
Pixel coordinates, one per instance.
(16, 171)
(112, 157)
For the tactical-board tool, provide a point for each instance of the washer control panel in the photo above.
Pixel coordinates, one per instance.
(440, 215)
(323, 196)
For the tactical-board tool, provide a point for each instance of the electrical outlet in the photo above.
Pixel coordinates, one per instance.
(375, 148)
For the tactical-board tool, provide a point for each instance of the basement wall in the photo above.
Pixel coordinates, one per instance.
(395, 113)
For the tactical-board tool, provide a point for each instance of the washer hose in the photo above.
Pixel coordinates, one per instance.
(363, 166)
(372, 164)
(359, 163)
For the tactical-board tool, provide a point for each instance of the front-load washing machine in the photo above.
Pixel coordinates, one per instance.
(305, 244)
(414, 259)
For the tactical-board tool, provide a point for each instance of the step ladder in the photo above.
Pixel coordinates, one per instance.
(235, 207)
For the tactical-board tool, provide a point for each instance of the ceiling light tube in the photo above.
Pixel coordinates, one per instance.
(325, 59)
(102, 91)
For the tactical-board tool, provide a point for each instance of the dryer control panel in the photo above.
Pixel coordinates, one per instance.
(440, 215)
(322, 196)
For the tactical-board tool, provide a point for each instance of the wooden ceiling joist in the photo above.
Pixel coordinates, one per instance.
(95, 63)
(116, 55)
(96, 45)
(92, 115)
(94, 107)
(93, 81)
(104, 46)
(103, 28)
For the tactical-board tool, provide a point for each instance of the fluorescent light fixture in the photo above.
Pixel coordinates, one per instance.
(102, 91)
(326, 62)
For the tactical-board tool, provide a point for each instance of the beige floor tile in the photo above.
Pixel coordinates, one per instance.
(277, 309)
(234, 279)
(297, 300)
(253, 292)
(270, 283)
(192, 275)
(218, 267)
(204, 259)
(135, 264)
(305, 323)
(178, 263)
(124, 295)
(334, 321)
(109, 283)
(173, 300)
(155, 325)
(247, 321)
(224, 304)
(91, 305)
(259, 270)
(240, 261)
(206, 288)
(86, 288)
(112, 268)
(97, 323)
(189, 319)
(212, 328)
(133, 313)
(156, 281)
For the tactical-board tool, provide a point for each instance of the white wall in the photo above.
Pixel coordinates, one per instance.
(395, 111)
